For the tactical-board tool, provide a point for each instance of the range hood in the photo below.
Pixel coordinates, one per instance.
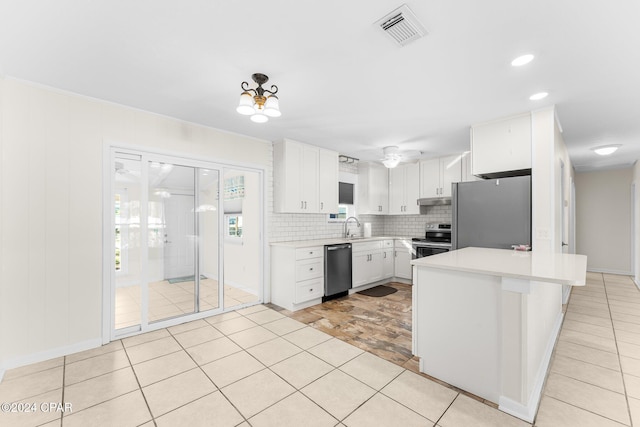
(434, 201)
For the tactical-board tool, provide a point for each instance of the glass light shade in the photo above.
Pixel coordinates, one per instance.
(606, 150)
(391, 162)
(259, 118)
(272, 106)
(245, 106)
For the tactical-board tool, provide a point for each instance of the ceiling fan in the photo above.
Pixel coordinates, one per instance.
(393, 156)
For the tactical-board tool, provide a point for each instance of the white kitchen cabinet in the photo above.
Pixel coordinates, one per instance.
(367, 263)
(300, 184)
(373, 189)
(437, 175)
(387, 263)
(328, 181)
(404, 189)
(501, 146)
(297, 276)
(402, 259)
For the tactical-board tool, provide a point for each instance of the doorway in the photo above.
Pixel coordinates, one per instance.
(171, 246)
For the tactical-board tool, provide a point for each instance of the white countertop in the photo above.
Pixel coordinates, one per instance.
(334, 241)
(566, 269)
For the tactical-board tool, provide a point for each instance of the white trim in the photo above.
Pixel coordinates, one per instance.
(528, 412)
(49, 354)
(609, 271)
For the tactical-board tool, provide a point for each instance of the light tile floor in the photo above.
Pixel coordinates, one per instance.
(256, 367)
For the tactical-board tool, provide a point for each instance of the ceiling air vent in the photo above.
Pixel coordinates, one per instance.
(402, 26)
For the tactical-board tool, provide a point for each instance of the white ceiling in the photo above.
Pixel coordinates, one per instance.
(343, 84)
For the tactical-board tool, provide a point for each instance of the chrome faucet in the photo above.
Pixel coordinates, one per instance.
(346, 232)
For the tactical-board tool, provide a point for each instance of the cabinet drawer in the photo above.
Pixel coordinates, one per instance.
(308, 290)
(309, 269)
(306, 253)
(366, 247)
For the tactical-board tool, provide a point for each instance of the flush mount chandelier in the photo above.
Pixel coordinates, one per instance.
(254, 103)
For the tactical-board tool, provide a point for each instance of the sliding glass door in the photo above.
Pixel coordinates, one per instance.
(175, 240)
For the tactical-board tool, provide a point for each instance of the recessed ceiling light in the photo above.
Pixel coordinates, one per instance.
(605, 150)
(522, 60)
(538, 96)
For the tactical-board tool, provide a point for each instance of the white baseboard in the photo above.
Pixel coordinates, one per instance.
(48, 354)
(528, 412)
(608, 271)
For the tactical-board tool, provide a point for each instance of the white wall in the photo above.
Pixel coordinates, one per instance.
(51, 208)
(603, 219)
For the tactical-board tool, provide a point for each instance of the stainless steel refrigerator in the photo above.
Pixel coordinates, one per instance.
(492, 213)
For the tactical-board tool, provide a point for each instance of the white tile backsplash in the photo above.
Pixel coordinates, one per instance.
(289, 227)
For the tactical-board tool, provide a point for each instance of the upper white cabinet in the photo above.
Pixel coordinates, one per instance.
(501, 146)
(305, 178)
(373, 189)
(404, 189)
(328, 182)
(437, 175)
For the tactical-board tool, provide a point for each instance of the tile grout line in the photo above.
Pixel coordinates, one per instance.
(448, 407)
(153, 418)
(209, 378)
(64, 370)
(624, 384)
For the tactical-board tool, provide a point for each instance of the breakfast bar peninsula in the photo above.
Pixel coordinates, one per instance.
(486, 320)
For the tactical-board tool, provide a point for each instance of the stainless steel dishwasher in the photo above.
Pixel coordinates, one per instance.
(337, 271)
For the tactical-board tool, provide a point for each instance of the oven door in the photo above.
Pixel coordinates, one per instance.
(422, 251)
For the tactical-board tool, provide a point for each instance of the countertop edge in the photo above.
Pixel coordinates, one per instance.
(503, 274)
(572, 276)
(335, 241)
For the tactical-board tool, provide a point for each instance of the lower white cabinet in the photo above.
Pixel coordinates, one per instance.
(387, 263)
(371, 262)
(297, 276)
(402, 259)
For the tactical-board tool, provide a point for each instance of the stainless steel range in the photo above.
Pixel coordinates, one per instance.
(437, 239)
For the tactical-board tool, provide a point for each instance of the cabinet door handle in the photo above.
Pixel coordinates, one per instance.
(305, 205)
(321, 206)
(385, 255)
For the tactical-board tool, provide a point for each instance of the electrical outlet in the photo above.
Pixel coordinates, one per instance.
(543, 233)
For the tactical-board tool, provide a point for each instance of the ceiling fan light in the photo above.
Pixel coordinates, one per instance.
(272, 106)
(391, 162)
(606, 150)
(259, 118)
(245, 106)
